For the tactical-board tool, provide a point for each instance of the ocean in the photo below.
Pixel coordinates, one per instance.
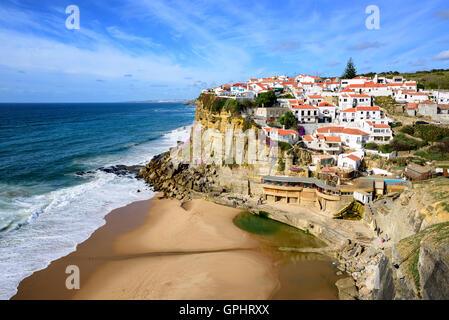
(46, 208)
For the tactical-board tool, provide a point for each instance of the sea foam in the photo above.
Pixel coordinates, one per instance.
(55, 222)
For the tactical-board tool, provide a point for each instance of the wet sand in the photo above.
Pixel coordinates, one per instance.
(157, 249)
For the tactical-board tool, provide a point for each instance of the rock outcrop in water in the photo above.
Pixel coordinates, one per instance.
(179, 181)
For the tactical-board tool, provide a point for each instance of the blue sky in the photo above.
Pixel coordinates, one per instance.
(156, 49)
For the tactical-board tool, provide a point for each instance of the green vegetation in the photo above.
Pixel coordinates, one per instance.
(407, 130)
(281, 164)
(284, 145)
(350, 71)
(217, 104)
(430, 133)
(433, 79)
(396, 124)
(371, 146)
(387, 103)
(403, 143)
(383, 148)
(268, 99)
(427, 134)
(288, 120)
(287, 96)
(249, 123)
(438, 152)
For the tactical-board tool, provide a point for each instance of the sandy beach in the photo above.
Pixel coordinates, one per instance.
(158, 249)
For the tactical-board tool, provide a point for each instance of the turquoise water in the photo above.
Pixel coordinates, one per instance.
(46, 209)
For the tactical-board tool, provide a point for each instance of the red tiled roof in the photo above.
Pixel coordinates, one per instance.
(353, 157)
(330, 130)
(308, 138)
(305, 106)
(332, 139)
(381, 126)
(283, 132)
(349, 110)
(355, 132)
(359, 95)
(368, 109)
(326, 104)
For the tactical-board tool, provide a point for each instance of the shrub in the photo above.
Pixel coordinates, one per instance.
(431, 133)
(385, 148)
(408, 130)
(403, 143)
(284, 145)
(288, 120)
(218, 104)
(281, 164)
(268, 99)
(371, 146)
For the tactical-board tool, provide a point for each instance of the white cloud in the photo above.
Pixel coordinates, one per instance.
(120, 35)
(442, 56)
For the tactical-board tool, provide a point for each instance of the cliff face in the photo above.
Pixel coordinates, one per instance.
(221, 121)
(422, 205)
(182, 181)
(421, 264)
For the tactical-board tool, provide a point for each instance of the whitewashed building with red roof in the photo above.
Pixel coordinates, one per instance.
(353, 99)
(282, 135)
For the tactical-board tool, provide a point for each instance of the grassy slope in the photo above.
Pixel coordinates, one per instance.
(430, 79)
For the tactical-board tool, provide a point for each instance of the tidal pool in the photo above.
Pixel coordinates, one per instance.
(302, 276)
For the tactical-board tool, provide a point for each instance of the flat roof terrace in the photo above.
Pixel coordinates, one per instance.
(296, 180)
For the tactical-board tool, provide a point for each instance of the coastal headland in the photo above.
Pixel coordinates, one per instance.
(186, 245)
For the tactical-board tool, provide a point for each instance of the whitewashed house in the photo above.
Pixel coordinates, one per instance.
(350, 161)
(353, 100)
(282, 135)
(363, 197)
(351, 137)
(330, 145)
(305, 113)
(378, 133)
(327, 112)
(314, 99)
